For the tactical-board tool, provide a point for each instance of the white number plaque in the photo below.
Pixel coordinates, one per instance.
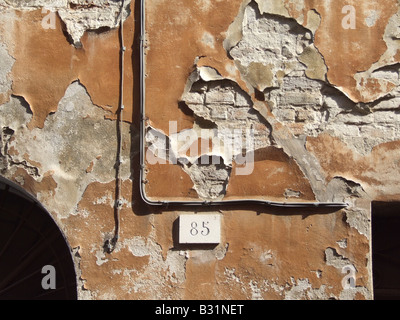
(200, 228)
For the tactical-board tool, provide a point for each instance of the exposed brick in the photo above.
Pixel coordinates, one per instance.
(194, 98)
(220, 97)
(240, 114)
(285, 114)
(242, 100)
(219, 112)
(300, 99)
(301, 82)
(305, 115)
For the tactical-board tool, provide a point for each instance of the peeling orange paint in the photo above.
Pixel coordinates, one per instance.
(56, 63)
(378, 172)
(265, 252)
(46, 187)
(173, 49)
(331, 38)
(274, 172)
(242, 256)
(159, 179)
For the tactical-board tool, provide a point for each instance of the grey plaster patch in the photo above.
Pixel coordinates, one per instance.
(6, 64)
(210, 180)
(170, 270)
(272, 43)
(74, 138)
(360, 219)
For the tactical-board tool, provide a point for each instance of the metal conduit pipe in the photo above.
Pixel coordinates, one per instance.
(195, 203)
(110, 244)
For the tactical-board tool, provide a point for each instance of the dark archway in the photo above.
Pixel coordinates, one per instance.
(386, 250)
(35, 258)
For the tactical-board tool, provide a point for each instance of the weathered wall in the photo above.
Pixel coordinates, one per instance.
(320, 91)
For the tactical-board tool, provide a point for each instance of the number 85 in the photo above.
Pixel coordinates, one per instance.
(205, 231)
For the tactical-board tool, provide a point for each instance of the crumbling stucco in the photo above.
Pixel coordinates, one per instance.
(229, 109)
(48, 51)
(269, 48)
(324, 126)
(77, 15)
(70, 142)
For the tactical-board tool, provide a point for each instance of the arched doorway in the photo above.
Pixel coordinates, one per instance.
(35, 258)
(385, 250)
